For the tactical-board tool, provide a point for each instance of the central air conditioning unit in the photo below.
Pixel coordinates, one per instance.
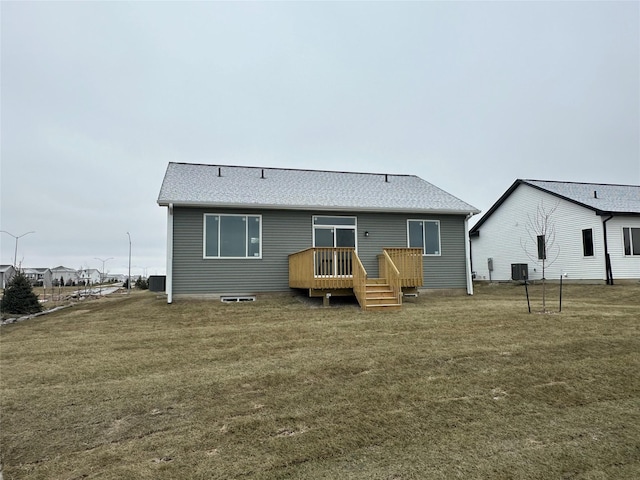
(519, 271)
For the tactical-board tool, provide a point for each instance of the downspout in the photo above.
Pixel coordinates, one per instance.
(169, 284)
(467, 251)
(607, 258)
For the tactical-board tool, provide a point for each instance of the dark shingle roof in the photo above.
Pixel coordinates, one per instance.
(234, 186)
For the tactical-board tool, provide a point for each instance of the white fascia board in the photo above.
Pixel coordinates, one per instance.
(324, 208)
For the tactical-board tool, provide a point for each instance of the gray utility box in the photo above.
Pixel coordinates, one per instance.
(519, 271)
(157, 283)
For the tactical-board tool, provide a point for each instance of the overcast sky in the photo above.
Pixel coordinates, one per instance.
(97, 98)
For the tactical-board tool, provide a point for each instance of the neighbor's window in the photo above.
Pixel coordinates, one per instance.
(631, 238)
(542, 248)
(424, 234)
(587, 242)
(232, 236)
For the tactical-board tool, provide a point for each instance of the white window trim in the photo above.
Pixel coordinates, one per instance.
(204, 235)
(624, 254)
(424, 240)
(353, 227)
(593, 244)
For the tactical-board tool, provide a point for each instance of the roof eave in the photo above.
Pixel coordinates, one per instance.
(495, 206)
(602, 213)
(324, 208)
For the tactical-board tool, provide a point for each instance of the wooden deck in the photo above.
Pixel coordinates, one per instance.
(337, 269)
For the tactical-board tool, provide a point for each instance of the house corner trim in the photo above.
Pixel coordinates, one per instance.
(169, 284)
(467, 254)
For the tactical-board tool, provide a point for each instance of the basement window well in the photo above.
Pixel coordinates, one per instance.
(231, 299)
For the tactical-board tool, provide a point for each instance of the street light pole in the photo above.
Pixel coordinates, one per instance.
(15, 254)
(102, 274)
(129, 278)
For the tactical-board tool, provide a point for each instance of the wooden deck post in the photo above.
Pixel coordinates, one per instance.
(325, 299)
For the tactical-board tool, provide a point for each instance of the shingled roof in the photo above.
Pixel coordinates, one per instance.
(278, 188)
(602, 198)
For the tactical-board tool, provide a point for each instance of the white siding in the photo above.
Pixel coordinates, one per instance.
(503, 234)
(623, 267)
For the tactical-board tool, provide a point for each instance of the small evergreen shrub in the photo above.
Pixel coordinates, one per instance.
(19, 297)
(142, 283)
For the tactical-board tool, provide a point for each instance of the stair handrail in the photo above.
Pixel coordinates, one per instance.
(359, 280)
(392, 275)
(409, 263)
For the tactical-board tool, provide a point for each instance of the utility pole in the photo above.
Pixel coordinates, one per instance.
(15, 254)
(102, 274)
(129, 277)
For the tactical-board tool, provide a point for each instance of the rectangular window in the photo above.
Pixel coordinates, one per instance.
(542, 248)
(587, 242)
(424, 234)
(631, 237)
(232, 236)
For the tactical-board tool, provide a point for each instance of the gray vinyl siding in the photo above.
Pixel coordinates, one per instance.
(285, 232)
(447, 270)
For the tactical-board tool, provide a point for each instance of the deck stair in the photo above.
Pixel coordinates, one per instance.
(380, 296)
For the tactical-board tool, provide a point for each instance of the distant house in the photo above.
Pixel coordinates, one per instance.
(246, 230)
(88, 276)
(115, 277)
(64, 274)
(38, 276)
(6, 274)
(597, 235)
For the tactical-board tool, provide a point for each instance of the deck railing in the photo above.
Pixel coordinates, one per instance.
(322, 268)
(359, 281)
(301, 268)
(409, 264)
(390, 272)
(337, 268)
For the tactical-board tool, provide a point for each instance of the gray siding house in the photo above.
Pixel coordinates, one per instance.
(235, 230)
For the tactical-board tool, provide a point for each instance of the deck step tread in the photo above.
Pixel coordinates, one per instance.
(380, 296)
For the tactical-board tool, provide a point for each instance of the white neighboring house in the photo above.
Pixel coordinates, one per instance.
(6, 273)
(597, 232)
(89, 276)
(64, 273)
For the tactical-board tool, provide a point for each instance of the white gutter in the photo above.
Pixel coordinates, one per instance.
(169, 283)
(468, 254)
(319, 208)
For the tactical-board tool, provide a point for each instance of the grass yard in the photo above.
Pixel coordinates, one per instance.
(450, 387)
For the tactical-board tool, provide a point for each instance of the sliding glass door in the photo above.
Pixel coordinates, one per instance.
(335, 233)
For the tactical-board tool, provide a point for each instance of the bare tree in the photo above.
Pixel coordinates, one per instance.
(541, 246)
